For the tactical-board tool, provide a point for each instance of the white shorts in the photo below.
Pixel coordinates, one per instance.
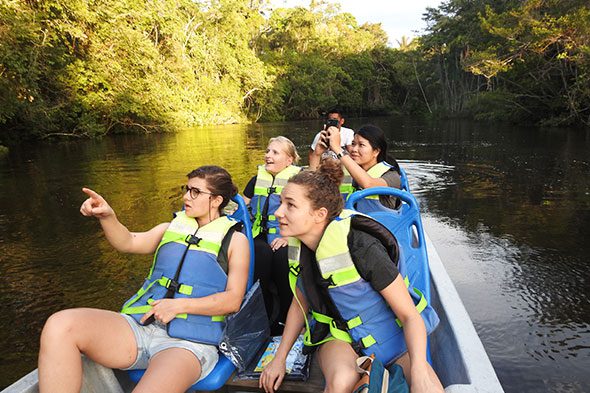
(154, 338)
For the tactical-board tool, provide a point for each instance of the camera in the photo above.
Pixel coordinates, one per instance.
(332, 123)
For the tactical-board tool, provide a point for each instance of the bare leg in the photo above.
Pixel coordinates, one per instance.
(103, 336)
(172, 370)
(338, 363)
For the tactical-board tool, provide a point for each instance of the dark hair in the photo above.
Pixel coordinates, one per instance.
(376, 138)
(335, 109)
(323, 186)
(218, 180)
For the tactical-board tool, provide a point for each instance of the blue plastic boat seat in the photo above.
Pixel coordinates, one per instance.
(215, 380)
(224, 367)
(404, 184)
(406, 226)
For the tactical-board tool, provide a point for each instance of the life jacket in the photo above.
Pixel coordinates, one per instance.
(342, 303)
(267, 190)
(346, 187)
(371, 202)
(188, 253)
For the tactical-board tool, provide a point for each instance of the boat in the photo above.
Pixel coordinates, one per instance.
(456, 351)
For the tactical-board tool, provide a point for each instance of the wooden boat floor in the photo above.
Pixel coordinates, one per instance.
(315, 382)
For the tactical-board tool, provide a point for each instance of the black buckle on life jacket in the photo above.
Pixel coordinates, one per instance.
(173, 285)
(271, 190)
(338, 324)
(192, 240)
(295, 269)
(357, 346)
(326, 282)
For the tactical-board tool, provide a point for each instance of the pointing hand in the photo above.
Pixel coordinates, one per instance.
(95, 205)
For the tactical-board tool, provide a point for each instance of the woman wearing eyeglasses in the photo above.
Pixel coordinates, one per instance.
(172, 324)
(262, 194)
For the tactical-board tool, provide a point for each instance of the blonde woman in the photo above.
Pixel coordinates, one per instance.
(263, 195)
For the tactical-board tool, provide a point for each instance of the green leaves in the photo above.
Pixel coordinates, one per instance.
(90, 67)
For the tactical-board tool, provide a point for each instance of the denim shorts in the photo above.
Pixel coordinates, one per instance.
(154, 338)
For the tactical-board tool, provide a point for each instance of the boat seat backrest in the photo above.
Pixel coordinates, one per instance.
(405, 224)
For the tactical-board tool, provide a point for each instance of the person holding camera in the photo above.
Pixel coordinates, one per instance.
(320, 147)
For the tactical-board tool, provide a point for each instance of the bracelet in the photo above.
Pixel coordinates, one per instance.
(342, 154)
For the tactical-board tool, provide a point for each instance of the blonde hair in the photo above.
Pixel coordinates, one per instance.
(289, 147)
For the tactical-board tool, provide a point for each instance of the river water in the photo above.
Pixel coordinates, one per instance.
(507, 208)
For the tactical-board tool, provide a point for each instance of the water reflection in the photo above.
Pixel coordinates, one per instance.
(508, 209)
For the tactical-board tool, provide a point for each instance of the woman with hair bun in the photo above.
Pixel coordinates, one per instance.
(172, 325)
(344, 264)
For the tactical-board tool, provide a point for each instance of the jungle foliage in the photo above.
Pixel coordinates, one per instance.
(91, 67)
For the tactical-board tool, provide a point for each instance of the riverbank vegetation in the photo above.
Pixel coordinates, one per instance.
(91, 67)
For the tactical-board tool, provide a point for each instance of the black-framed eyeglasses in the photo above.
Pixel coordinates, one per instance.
(193, 191)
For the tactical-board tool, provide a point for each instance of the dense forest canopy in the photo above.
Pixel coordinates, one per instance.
(90, 67)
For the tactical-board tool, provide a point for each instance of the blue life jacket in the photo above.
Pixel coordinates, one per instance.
(188, 252)
(371, 202)
(352, 311)
(269, 187)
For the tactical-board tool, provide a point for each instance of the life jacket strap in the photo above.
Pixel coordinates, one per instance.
(294, 270)
(337, 331)
(127, 309)
(169, 283)
(343, 276)
(257, 225)
(163, 281)
(420, 306)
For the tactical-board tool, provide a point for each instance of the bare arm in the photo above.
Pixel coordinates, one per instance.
(220, 303)
(116, 233)
(361, 176)
(315, 154)
(314, 160)
(274, 372)
(398, 298)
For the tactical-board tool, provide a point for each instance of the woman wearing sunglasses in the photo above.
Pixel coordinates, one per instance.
(172, 325)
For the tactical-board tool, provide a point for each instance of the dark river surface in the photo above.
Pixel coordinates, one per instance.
(507, 208)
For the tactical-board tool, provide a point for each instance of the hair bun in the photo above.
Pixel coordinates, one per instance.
(332, 170)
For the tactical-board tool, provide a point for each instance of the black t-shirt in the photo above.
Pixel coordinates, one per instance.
(249, 189)
(371, 259)
(222, 256)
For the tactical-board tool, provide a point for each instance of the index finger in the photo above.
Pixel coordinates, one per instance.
(146, 316)
(90, 193)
